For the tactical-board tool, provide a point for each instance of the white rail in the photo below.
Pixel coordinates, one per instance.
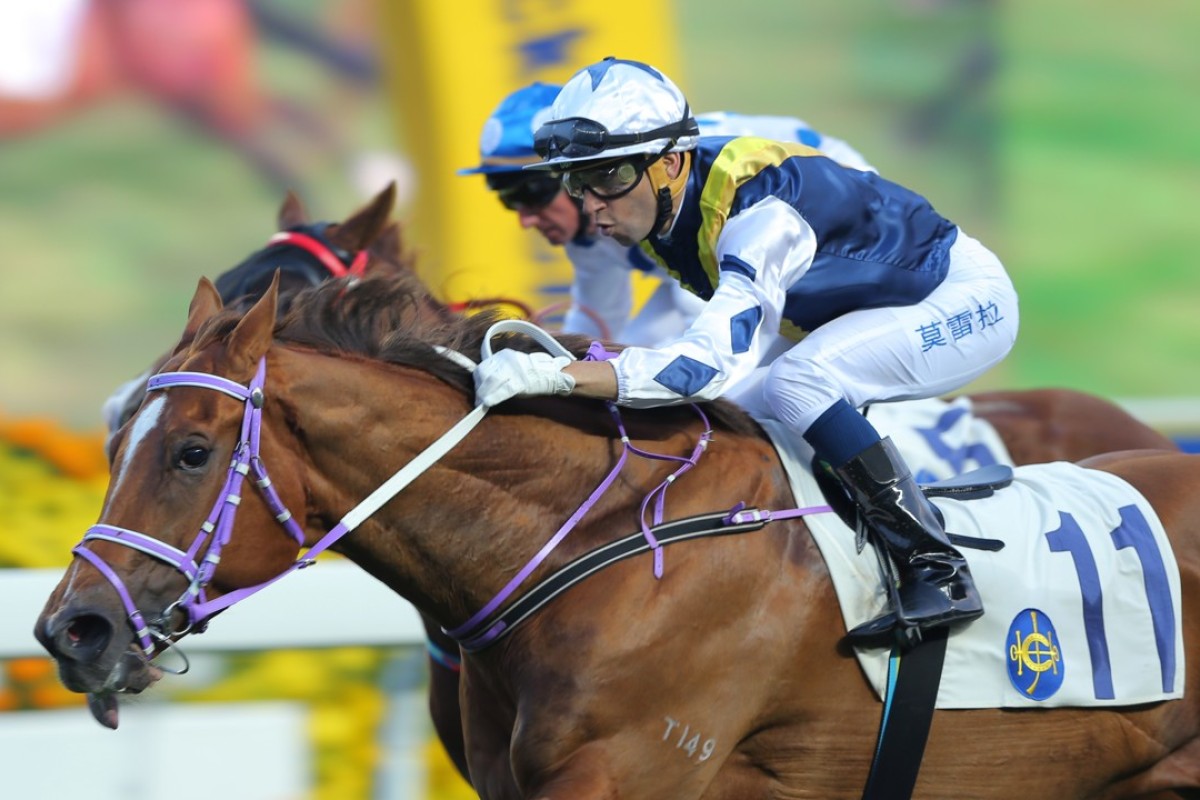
(332, 603)
(1168, 414)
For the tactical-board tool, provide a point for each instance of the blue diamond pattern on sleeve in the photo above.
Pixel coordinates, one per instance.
(809, 137)
(735, 264)
(742, 328)
(686, 376)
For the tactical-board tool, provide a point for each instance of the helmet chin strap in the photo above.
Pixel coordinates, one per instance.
(667, 189)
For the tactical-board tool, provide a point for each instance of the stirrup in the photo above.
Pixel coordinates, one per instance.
(893, 627)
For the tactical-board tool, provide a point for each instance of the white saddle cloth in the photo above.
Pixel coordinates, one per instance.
(1082, 604)
(939, 438)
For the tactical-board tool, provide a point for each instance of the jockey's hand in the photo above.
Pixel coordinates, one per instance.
(511, 373)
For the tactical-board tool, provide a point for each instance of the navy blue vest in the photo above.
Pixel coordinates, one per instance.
(878, 244)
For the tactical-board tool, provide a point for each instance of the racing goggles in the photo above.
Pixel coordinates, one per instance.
(579, 137)
(609, 182)
(531, 193)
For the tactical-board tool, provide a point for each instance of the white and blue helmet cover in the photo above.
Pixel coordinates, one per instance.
(625, 97)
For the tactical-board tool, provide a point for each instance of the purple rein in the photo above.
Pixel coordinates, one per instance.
(473, 633)
(477, 633)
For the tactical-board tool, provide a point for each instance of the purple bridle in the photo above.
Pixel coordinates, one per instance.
(219, 525)
(216, 529)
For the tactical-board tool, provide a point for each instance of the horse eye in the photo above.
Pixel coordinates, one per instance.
(194, 457)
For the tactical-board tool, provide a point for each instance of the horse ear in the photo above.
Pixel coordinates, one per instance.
(391, 243)
(364, 226)
(205, 303)
(292, 212)
(254, 333)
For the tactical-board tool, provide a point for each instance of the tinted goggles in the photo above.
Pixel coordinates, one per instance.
(579, 137)
(607, 182)
(530, 194)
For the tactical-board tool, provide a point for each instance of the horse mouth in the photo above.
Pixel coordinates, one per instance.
(131, 675)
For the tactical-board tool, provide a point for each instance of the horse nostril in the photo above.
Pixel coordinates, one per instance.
(83, 638)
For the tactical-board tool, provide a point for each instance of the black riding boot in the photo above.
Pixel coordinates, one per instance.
(935, 586)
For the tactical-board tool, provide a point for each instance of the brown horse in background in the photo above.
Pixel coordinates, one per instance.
(1041, 425)
(306, 253)
(740, 638)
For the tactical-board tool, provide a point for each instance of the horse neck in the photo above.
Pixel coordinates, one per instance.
(450, 540)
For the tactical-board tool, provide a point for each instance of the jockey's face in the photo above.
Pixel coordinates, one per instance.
(557, 221)
(628, 218)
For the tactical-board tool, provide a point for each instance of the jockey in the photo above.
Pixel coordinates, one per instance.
(506, 147)
(879, 297)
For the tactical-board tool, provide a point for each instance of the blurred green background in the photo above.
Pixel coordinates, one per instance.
(1064, 134)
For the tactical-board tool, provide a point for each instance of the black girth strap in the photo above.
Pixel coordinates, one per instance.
(595, 560)
(912, 690)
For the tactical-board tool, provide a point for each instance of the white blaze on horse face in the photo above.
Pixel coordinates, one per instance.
(145, 421)
(115, 405)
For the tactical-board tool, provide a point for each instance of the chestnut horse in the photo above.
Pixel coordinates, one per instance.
(1034, 426)
(740, 639)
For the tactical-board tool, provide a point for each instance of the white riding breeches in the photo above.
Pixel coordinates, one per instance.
(963, 328)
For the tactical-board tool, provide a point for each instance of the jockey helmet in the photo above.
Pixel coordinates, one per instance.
(612, 109)
(506, 143)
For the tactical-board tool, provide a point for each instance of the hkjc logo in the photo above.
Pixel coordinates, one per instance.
(1034, 660)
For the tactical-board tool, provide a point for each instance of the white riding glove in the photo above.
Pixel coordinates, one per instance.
(511, 373)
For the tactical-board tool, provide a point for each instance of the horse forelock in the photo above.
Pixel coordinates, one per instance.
(216, 328)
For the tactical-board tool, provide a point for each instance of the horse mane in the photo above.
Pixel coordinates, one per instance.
(393, 319)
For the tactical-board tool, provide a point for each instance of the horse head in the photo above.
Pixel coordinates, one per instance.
(148, 572)
(308, 253)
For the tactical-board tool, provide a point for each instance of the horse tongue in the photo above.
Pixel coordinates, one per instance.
(103, 706)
